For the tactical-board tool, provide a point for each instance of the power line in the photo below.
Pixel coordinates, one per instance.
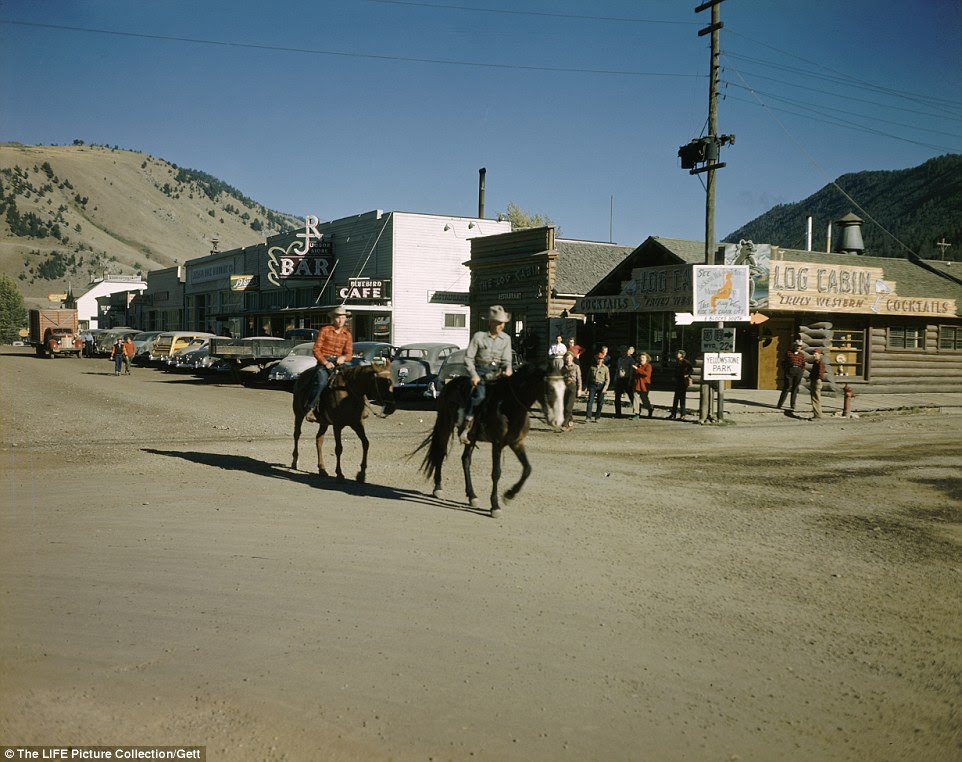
(835, 72)
(933, 101)
(532, 13)
(345, 54)
(847, 96)
(819, 109)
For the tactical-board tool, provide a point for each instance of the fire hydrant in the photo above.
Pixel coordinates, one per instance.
(849, 392)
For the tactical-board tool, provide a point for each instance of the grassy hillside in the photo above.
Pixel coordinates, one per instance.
(68, 213)
(918, 206)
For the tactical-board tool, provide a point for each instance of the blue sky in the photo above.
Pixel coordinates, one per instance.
(334, 107)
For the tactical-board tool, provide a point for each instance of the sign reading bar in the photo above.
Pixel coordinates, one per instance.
(722, 367)
(311, 257)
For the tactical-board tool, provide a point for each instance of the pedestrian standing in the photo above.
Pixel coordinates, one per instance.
(624, 370)
(117, 355)
(571, 374)
(129, 351)
(640, 381)
(816, 375)
(598, 381)
(556, 353)
(794, 366)
(682, 378)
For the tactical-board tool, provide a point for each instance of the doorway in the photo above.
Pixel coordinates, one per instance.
(774, 340)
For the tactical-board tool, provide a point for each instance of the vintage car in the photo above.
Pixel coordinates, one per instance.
(454, 366)
(366, 352)
(416, 365)
(299, 359)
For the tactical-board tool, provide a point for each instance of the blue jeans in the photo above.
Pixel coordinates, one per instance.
(479, 392)
(320, 384)
(596, 396)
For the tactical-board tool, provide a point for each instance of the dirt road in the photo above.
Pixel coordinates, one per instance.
(659, 591)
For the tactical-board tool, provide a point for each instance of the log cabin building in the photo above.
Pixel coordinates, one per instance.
(885, 324)
(538, 278)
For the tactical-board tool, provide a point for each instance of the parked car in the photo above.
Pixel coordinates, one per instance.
(301, 334)
(143, 342)
(105, 339)
(194, 357)
(287, 371)
(416, 365)
(365, 352)
(172, 341)
(454, 366)
(175, 358)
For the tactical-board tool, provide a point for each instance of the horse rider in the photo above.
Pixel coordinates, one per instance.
(332, 348)
(488, 356)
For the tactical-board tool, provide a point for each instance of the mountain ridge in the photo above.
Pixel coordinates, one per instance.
(69, 214)
(916, 206)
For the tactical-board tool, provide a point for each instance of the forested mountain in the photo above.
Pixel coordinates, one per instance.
(918, 206)
(70, 213)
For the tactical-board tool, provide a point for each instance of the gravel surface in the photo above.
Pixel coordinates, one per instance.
(659, 591)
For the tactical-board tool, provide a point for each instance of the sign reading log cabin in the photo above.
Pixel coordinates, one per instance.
(311, 257)
(364, 289)
(814, 287)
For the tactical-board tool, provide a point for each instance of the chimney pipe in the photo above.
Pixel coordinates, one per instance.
(481, 173)
(808, 233)
(828, 239)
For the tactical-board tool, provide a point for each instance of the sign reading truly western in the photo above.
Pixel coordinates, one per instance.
(311, 257)
(817, 287)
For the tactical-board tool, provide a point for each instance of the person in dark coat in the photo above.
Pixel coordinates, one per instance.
(794, 365)
(682, 378)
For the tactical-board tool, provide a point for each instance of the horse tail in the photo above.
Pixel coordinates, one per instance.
(452, 397)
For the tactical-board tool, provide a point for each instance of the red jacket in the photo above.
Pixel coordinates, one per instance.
(642, 377)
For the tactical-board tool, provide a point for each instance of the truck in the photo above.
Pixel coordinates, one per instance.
(53, 333)
(260, 351)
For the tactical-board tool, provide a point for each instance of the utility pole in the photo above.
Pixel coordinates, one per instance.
(704, 406)
(943, 245)
(705, 151)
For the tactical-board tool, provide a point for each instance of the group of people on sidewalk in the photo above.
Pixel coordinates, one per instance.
(631, 374)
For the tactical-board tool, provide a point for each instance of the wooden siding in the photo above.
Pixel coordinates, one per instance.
(428, 258)
(926, 369)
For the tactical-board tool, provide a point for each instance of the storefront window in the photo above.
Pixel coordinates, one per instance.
(905, 337)
(847, 352)
(950, 338)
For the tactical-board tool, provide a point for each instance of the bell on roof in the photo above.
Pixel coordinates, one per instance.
(850, 237)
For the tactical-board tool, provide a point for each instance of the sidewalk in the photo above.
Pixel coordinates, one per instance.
(741, 402)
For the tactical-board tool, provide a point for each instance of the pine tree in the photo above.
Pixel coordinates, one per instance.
(13, 311)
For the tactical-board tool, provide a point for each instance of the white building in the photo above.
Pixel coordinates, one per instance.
(90, 312)
(402, 275)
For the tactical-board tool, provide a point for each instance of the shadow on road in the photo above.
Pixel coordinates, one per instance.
(329, 483)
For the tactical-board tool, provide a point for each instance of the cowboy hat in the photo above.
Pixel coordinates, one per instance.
(338, 310)
(498, 314)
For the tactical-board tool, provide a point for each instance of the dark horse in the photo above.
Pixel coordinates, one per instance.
(344, 403)
(502, 420)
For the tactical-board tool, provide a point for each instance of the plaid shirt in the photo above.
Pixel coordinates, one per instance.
(795, 358)
(331, 343)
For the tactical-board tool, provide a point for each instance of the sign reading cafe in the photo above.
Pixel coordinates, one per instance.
(311, 257)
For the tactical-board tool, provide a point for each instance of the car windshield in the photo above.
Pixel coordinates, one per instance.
(303, 350)
(196, 344)
(144, 336)
(412, 353)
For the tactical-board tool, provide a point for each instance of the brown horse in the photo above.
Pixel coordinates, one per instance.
(345, 402)
(501, 420)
